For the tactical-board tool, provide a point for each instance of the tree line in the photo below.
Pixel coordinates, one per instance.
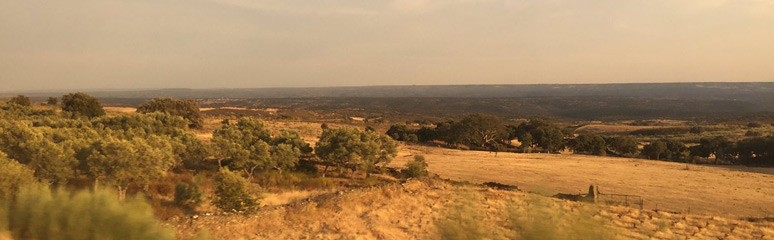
(488, 132)
(131, 151)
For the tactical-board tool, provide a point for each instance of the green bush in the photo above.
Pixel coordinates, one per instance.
(188, 195)
(39, 213)
(233, 192)
(13, 175)
(416, 168)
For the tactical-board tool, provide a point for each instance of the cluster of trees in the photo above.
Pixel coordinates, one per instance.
(126, 151)
(482, 131)
(188, 109)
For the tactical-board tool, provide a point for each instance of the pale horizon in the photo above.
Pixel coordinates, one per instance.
(204, 44)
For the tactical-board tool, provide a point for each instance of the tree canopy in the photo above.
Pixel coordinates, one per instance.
(82, 105)
(188, 109)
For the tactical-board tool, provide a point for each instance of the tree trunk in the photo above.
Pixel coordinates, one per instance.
(121, 193)
(325, 171)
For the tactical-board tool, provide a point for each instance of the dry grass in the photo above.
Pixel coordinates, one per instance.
(611, 128)
(733, 191)
(431, 209)
(283, 198)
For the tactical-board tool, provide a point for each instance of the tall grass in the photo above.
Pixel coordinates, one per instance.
(538, 218)
(40, 213)
(547, 220)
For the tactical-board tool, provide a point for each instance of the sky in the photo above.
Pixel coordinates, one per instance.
(110, 44)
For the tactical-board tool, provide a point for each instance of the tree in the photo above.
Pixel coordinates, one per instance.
(293, 139)
(481, 129)
(20, 100)
(338, 146)
(121, 163)
(719, 146)
(655, 150)
(526, 142)
(81, 104)
(625, 145)
(544, 134)
(345, 147)
(233, 192)
(590, 144)
(50, 161)
(675, 150)
(375, 150)
(188, 109)
(52, 101)
(245, 144)
(284, 156)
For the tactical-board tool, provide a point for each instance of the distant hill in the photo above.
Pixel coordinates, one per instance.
(572, 101)
(725, 91)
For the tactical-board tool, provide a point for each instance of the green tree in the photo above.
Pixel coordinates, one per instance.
(655, 150)
(345, 147)
(21, 100)
(676, 150)
(375, 150)
(245, 144)
(28, 145)
(188, 109)
(233, 192)
(121, 163)
(625, 145)
(719, 146)
(338, 146)
(293, 139)
(526, 142)
(284, 156)
(544, 134)
(52, 101)
(81, 104)
(481, 130)
(590, 144)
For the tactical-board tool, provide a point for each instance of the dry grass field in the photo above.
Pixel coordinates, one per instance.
(435, 209)
(723, 191)
(610, 128)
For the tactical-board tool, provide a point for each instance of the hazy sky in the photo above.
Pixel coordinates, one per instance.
(76, 44)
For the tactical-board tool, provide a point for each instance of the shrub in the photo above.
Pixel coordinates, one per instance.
(188, 195)
(232, 192)
(52, 101)
(416, 168)
(39, 213)
(13, 175)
